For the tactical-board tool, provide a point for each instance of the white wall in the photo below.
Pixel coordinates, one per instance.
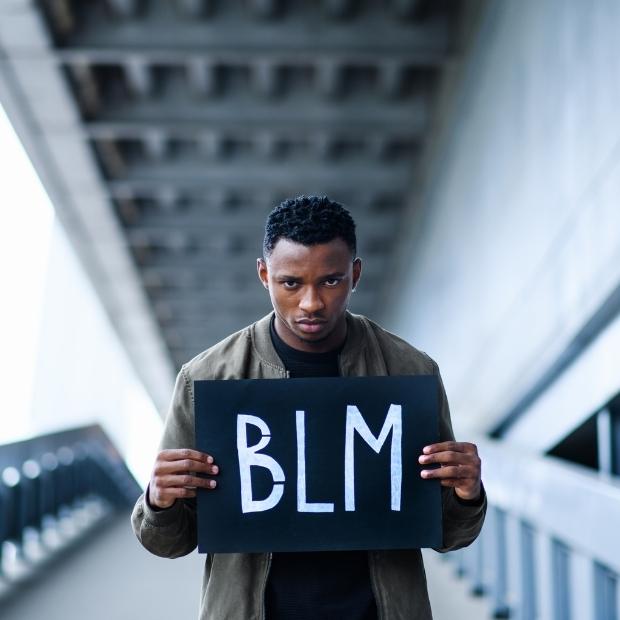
(26, 218)
(83, 374)
(62, 364)
(520, 237)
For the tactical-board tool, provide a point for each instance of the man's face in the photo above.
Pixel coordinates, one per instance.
(310, 288)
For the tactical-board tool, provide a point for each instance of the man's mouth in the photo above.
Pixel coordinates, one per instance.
(311, 326)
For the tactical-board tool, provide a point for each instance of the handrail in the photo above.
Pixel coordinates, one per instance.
(559, 497)
(550, 547)
(54, 486)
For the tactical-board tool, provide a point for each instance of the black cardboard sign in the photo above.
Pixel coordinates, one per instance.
(318, 464)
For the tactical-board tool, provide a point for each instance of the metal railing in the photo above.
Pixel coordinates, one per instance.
(550, 548)
(53, 490)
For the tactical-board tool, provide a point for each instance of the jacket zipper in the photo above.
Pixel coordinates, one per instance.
(269, 558)
(263, 612)
(374, 587)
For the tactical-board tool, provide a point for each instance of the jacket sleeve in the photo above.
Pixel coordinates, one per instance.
(461, 520)
(171, 532)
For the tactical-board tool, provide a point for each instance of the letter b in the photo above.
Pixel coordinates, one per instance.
(248, 457)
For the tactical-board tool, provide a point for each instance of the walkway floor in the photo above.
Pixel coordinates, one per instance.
(113, 578)
(449, 595)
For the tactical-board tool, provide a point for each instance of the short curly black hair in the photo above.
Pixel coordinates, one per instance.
(309, 220)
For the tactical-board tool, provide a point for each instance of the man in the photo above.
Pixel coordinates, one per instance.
(310, 269)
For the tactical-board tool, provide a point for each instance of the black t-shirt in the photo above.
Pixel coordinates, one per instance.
(318, 585)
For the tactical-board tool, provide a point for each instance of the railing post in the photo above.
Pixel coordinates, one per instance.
(604, 441)
(560, 562)
(614, 414)
(500, 589)
(82, 482)
(43, 481)
(66, 477)
(11, 482)
(49, 485)
(31, 496)
(477, 567)
(529, 572)
(582, 587)
(4, 517)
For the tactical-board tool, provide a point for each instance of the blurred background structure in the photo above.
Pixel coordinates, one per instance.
(142, 144)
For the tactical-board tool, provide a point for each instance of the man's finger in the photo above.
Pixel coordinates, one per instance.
(185, 480)
(451, 446)
(450, 471)
(172, 493)
(180, 454)
(465, 458)
(173, 467)
(451, 482)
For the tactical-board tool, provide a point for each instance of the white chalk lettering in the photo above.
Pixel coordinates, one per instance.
(355, 422)
(249, 457)
(302, 504)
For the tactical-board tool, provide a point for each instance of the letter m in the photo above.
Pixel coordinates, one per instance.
(355, 422)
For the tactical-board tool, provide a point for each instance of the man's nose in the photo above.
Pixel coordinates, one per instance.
(311, 301)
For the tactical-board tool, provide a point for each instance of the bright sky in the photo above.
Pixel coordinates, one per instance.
(54, 334)
(26, 221)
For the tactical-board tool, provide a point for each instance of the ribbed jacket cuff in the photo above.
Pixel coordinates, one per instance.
(160, 517)
(468, 509)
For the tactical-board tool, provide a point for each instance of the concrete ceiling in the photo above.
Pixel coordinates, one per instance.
(166, 130)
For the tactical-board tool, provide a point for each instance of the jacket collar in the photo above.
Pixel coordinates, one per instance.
(361, 354)
(261, 341)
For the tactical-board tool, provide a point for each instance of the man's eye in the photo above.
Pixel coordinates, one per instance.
(332, 282)
(289, 284)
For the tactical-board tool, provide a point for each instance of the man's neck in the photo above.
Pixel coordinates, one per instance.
(335, 340)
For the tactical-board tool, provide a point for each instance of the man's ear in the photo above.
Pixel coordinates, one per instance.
(263, 272)
(357, 271)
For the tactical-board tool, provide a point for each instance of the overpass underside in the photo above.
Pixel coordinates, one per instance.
(477, 146)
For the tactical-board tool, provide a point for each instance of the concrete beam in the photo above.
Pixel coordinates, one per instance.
(62, 17)
(346, 192)
(202, 77)
(239, 115)
(329, 78)
(230, 266)
(225, 201)
(111, 158)
(169, 200)
(406, 9)
(253, 172)
(210, 301)
(392, 78)
(124, 8)
(155, 145)
(87, 88)
(371, 30)
(210, 144)
(266, 145)
(323, 146)
(340, 9)
(139, 76)
(204, 200)
(197, 8)
(36, 97)
(312, 134)
(266, 78)
(266, 8)
(234, 57)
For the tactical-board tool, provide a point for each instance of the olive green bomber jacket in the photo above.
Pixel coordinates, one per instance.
(234, 583)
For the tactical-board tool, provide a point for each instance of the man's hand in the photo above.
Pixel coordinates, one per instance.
(460, 467)
(174, 476)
